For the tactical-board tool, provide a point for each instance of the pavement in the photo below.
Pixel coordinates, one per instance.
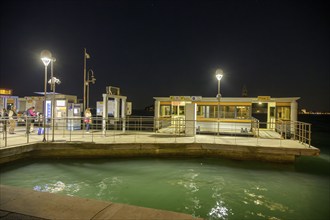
(27, 204)
(97, 136)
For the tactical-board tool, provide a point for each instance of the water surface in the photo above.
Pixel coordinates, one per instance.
(208, 188)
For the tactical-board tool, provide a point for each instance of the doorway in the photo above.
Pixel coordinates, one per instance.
(260, 112)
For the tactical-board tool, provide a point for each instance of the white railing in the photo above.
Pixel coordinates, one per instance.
(140, 129)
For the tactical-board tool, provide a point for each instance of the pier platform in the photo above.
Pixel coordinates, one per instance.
(78, 144)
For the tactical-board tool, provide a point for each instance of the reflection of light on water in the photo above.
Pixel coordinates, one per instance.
(106, 186)
(254, 196)
(188, 181)
(58, 187)
(219, 211)
(262, 200)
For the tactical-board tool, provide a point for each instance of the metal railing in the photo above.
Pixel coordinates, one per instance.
(142, 129)
(296, 130)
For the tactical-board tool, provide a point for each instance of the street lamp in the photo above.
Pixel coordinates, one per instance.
(89, 80)
(45, 56)
(86, 56)
(219, 75)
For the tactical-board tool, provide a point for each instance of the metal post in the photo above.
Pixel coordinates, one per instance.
(44, 115)
(309, 135)
(52, 83)
(218, 96)
(84, 107)
(87, 90)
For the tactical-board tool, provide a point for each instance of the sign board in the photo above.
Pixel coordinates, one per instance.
(6, 92)
(128, 108)
(48, 109)
(185, 98)
(263, 98)
(111, 108)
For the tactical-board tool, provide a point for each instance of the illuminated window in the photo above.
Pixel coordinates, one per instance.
(60, 103)
(181, 110)
(283, 113)
(228, 112)
(203, 111)
(165, 110)
(243, 112)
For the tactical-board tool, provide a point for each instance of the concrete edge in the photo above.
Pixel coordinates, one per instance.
(122, 150)
(44, 205)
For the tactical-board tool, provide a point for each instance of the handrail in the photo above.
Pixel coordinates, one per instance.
(296, 130)
(70, 127)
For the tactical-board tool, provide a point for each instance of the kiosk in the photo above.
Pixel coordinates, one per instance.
(62, 106)
(74, 116)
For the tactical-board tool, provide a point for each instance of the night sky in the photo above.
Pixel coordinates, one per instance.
(164, 48)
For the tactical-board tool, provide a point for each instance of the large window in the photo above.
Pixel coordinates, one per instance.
(165, 110)
(207, 111)
(230, 112)
(243, 112)
(178, 110)
(283, 113)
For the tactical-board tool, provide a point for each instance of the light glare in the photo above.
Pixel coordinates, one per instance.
(219, 74)
(46, 60)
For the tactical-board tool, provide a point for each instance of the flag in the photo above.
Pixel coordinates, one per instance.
(87, 55)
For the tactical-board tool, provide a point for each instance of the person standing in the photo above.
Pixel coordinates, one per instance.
(88, 118)
(12, 115)
(31, 114)
(3, 118)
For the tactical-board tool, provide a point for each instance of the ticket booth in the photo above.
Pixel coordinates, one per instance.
(63, 108)
(74, 116)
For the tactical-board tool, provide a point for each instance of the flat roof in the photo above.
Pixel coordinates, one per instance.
(227, 99)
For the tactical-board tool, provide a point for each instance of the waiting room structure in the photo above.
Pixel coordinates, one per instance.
(225, 115)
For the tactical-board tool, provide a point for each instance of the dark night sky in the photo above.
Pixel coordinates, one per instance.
(163, 48)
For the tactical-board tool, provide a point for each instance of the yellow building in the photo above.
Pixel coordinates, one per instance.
(229, 111)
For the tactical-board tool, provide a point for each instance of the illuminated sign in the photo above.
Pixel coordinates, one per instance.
(48, 109)
(185, 98)
(263, 98)
(6, 92)
(60, 103)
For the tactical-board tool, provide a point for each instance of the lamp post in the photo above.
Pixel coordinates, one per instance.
(52, 86)
(46, 59)
(53, 81)
(89, 80)
(219, 75)
(86, 56)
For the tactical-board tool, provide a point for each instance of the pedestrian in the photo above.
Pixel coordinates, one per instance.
(87, 119)
(12, 115)
(3, 118)
(31, 114)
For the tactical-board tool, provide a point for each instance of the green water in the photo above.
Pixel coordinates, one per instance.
(208, 188)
